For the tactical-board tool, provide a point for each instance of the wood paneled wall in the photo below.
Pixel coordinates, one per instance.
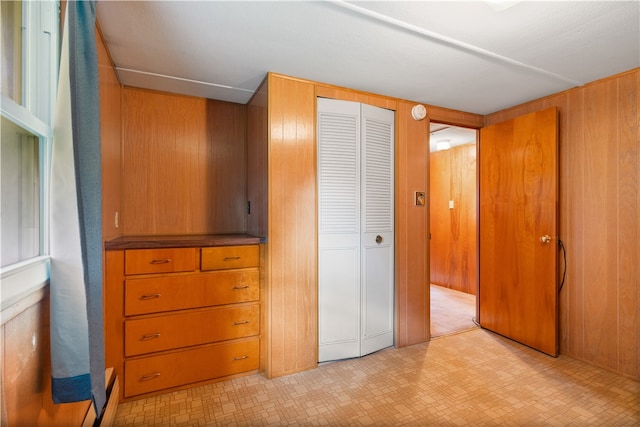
(257, 161)
(282, 115)
(412, 228)
(599, 220)
(26, 368)
(111, 137)
(453, 257)
(292, 288)
(184, 164)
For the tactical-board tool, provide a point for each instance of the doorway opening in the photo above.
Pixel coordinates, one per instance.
(453, 229)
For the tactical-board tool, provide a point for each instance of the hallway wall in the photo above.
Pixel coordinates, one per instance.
(453, 245)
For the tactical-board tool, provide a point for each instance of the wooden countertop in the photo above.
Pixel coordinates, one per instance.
(181, 241)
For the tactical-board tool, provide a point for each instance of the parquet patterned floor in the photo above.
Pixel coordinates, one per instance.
(473, 378)
(451, 311)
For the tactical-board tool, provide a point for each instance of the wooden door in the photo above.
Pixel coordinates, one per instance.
(518, 196)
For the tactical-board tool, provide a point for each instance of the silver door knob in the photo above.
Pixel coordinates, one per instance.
(546, 239)
(378, 239)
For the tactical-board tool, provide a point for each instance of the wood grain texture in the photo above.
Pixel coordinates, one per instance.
(225, 186)
(113, 303)
(599, 222)
(453, 257)
(181, 241)
(184, 164)
(455, 117)
(110, 136)
(517, 204)
(334, 92)
(600, 179)
(291, 254)
(26, 371)
(628, 131)
(257, 160)
(412, 229)
(292, 286)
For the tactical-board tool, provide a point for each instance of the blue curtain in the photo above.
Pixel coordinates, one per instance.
(77, 341)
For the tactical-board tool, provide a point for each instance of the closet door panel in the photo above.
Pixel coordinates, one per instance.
(377, 148)
(339, 299)
(355, 229)
(338, 229)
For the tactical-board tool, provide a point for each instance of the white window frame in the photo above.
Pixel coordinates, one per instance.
(40, 53)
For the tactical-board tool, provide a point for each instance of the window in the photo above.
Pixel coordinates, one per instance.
(12, 50)
(20, 186)
(29, 50)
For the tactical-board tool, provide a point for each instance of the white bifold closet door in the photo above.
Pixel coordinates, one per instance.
(355, 229)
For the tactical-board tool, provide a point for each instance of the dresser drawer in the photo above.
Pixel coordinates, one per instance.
(145, 261)
(156, 294)
(154, 373)
(226, 257)
(188, 329)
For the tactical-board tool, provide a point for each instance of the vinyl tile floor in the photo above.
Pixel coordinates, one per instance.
(451, 311)
(473, 378)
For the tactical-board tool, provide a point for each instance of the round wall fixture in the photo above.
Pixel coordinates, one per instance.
(418, 112)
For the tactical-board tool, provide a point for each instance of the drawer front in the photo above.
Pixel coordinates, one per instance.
(189, 329)
(154, 373)
(225, 257)
(156, 294)
(145, 261)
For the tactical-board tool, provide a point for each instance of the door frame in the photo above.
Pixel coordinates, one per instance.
(477, 227)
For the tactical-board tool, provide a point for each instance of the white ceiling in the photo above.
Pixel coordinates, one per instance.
(478, 57)
(453, 135)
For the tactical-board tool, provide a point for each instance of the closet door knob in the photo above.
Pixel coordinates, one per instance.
(378, 239)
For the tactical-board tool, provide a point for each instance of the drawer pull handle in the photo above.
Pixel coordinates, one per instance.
(149, 337)
(150, 376)
(149, 296)
(231, 258)
(238, 358)
(242, 322)
(236, 288)
(160, 261)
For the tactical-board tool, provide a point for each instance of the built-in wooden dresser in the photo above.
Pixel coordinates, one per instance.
(181, 310)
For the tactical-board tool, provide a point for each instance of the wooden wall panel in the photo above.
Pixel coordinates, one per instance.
(111, 135)
(292, 235)
(455, 117)
(292, 288)
(225, 185)
(599, 222)
(114, 303)
(439, 217)
(600, 155)
(412, 228)
(453, 257)
(333, 92)
(257, 160)
(173, 148)
(628, 187)
(26, 370)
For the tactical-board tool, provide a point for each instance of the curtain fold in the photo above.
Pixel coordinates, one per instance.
(77, 341)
